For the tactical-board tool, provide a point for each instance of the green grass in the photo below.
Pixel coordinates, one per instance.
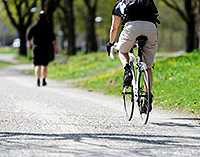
(7, 50)
(13, 51)
(176, 80)
(23, 60)
(82, 66)
(4, 64)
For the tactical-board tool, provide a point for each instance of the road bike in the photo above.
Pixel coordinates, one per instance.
(138, 93)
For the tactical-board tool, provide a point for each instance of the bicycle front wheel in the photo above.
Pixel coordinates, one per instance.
(144, 95)
(128, 98)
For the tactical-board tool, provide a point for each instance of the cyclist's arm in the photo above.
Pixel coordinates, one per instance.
(116, 22)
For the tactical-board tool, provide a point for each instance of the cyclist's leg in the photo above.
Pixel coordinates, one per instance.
(125, 43)
(149, 52)
(124, 58)
(150, 76)
(148, 59)
(124, 47)
(149, 56)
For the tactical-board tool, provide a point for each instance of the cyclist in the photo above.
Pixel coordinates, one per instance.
(139, 17)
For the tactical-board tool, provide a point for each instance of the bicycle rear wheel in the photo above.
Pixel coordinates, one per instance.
(128, 98)
(144, 95)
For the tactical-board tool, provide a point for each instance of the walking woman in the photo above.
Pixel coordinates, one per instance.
(44, 47)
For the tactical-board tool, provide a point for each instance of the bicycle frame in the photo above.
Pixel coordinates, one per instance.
(140, 66)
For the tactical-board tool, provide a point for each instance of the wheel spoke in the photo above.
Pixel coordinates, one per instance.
(143, 94)
(128, 98)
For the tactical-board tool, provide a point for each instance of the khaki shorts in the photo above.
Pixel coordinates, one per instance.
(134, 29)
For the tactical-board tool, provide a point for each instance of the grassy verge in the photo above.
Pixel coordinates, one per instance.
(4, 64)
(176, 83)
(82, 67)
(7, 50)
(14, 51)
(176, 80)
(23, 60)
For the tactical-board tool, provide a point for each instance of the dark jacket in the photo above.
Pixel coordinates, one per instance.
(42, 34)
(43, 37)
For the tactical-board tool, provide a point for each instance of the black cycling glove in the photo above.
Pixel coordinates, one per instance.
(108, 47)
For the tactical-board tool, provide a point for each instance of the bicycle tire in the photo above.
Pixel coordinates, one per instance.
(128, 99)
(143, 95)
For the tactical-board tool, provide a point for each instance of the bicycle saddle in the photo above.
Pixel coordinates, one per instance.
(141, 40)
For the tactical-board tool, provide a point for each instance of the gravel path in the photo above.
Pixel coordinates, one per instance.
(62, 121)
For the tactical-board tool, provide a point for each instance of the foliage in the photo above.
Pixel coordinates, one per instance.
(171, 31)
(170, 22)
(5, 21)
(20, 14)
(189, 12)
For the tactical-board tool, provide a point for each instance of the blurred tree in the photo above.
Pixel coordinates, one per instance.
(91, 38)
(20, 13)
(172, 30)
(189, 13)
(43, 4)
(68, 25)
(197, 19)
(105, 12)
(50, 7)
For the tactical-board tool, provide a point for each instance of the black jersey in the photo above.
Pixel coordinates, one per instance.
(136, 10)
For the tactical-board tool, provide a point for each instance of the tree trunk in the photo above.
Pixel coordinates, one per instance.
(43, 4)
(22, 48)
(22, 21)
(91, 39)
(197, 12)
(189, 15)
(51, 6)
(70, 21)
(191, 36)
(198, 33)
(51, 20)
(64, 35)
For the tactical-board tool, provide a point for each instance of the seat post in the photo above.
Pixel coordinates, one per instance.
(141, 40)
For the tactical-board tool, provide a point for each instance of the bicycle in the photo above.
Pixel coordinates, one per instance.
(139, 92)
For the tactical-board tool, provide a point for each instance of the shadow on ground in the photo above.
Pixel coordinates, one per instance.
(152, 140)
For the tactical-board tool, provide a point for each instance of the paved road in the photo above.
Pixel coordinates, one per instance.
(62, 121)
(8, 58)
